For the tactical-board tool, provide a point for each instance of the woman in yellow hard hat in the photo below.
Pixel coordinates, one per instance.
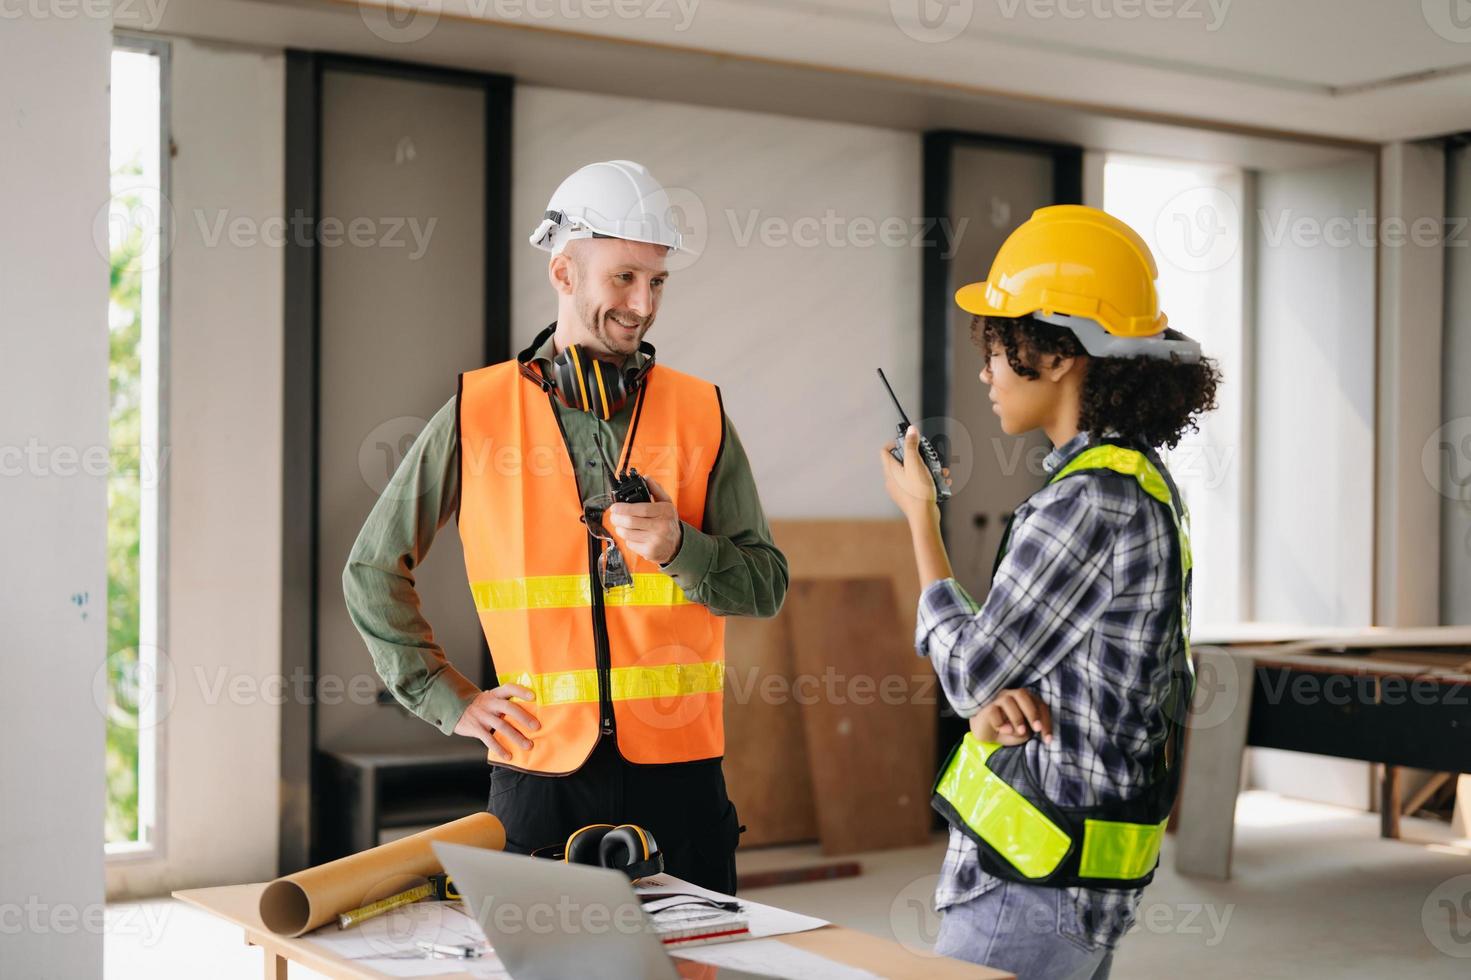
(1075, 671)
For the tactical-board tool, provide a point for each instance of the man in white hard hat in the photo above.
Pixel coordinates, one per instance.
(604, 616)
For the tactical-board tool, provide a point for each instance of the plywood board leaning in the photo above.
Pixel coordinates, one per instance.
(766, 758)
(766, 770)
(870, 715)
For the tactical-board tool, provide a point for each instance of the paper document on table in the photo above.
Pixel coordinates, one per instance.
(388, 943)
(774, 958)
(765, 920)
(679, 924)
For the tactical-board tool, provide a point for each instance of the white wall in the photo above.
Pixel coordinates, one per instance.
(220, 733)
(53, 421)
(1314, 429)
(791, 332)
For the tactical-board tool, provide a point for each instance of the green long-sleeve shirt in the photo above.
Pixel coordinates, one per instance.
(731, 565)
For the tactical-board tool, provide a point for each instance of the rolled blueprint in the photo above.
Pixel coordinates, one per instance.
(308, 899)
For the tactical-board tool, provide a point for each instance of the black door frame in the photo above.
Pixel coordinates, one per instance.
(937, 291)
(301, 403)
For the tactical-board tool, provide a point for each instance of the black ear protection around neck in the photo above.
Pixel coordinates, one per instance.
(627, 847)
(582, 382)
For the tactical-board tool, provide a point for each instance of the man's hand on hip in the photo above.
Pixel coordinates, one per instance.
(494, 712)
(652, 531)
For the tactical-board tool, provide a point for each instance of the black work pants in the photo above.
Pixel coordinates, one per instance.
(683, 805)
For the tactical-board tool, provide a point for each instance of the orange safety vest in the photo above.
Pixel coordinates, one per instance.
(646, 662)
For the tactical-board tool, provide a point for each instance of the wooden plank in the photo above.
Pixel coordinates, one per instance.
(854, 549)
(766, 770)
(1372, 636)
(1422, 795)
(868, 713)
(799, 874)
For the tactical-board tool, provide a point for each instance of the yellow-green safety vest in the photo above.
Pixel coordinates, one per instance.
(986, 791)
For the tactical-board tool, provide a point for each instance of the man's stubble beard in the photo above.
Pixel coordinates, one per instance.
(594, 324)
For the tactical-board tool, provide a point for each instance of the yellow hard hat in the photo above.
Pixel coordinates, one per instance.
(1077, 267)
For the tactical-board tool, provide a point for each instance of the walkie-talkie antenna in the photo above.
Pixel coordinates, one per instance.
(895, 397)
(607, 461)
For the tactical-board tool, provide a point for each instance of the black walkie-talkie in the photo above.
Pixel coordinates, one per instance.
(926, 451)
(630, 488)
(627, 488)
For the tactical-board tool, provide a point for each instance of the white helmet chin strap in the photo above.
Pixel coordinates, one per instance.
(1098, 342)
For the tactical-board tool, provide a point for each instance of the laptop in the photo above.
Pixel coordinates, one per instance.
(549, 920)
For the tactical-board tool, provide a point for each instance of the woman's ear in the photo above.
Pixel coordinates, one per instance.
(1062, 366)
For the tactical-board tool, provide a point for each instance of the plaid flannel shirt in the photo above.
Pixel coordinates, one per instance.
(1083, 611)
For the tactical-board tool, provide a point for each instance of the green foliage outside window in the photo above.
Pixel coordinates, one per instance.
(125, 329)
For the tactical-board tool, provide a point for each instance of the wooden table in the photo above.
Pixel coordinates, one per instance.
(1394, 697)
(238, 904)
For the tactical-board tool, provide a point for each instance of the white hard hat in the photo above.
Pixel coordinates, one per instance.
(611, 199)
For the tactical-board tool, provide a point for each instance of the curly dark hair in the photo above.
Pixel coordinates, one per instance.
(1146, 400)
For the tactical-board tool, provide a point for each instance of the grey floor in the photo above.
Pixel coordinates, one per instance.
(1315, 893)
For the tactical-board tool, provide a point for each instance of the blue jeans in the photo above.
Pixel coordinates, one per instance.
(1028, 930)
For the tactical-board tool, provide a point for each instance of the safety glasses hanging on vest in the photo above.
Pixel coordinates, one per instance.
(612, 566)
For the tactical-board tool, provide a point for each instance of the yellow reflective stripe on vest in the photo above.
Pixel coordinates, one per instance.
(1113, 849)
(628, 683)
(668, 681)
(565, 591)
(1003, 818)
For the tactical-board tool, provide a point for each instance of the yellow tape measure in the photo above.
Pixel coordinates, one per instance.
(348, 919)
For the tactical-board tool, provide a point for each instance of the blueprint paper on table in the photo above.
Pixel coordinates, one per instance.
(389, 943)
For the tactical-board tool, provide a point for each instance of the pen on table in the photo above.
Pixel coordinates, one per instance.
(441, 949)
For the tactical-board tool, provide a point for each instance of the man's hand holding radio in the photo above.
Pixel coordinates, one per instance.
(651, 531)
